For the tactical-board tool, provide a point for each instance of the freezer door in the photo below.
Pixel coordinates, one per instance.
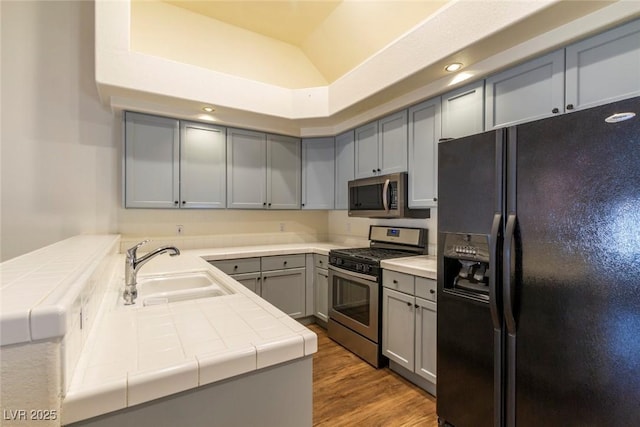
(572, 260)
(469, 351)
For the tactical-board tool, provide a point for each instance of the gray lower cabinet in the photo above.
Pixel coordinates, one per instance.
(409, 327)
(424, 133)
(279, 279)
(463, 111)
(530, 91)
(344, 168)
(603, 68)
(321, 287)
(318, 172)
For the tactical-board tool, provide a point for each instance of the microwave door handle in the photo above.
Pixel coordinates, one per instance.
(385, 196)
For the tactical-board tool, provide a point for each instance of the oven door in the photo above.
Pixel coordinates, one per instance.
(354, 301)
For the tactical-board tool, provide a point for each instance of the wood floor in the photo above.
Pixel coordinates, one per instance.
(349, 392)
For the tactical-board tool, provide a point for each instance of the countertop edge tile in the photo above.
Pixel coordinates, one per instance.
(279, 350)
(145, 386)
(220, 366)
(82, 404)
(14, 327)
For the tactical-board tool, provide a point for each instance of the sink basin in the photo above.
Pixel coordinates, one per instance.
(168, 288)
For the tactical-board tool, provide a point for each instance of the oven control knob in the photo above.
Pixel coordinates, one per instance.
(358, 267)
(366, 268)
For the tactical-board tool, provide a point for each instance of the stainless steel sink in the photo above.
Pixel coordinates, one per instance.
(166, 288)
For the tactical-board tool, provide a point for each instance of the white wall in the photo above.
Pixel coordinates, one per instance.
(60, 147)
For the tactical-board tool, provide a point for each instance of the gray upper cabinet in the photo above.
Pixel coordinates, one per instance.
(344, 168)
(246, 169)
(381, 146)
(262, 171)
(318, 160)
(283, 172)
(424, 133)
(604, 68)
(530, 91)
(152, 161)
(366, 150)
(202, 166)
(393, 143)
(463, 111)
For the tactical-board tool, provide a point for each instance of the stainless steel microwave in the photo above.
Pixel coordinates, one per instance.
(384, 196)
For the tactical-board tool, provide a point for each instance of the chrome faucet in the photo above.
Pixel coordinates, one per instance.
(133, 264)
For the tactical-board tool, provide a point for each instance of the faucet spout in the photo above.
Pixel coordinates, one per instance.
(133, 265)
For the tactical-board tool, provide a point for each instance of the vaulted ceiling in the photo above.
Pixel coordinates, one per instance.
(335, 35)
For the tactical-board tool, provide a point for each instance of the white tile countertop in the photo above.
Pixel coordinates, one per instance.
(138, 354)
(422, 266)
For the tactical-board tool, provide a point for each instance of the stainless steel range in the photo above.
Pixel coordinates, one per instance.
(355, 287)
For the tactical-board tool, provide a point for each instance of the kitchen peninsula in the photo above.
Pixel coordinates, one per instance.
(194, 361)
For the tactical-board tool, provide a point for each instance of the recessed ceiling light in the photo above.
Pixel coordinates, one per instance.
(208, 109)
(453, 67)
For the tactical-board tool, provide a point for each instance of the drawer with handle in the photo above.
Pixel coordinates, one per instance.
(399, 281)
(426, 288)
(321, 261)
(279, 262)
(238, 266)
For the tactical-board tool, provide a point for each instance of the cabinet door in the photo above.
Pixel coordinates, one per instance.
(366, 150)
(463, 111)
(152, 156)
(424, 133)
(398, 326)
(426, 325)
(392, 147)
(286, 290)
(604, 68)
(318, 160)
(246, 169)
(321, 291)
(531, 91)
(203, 173)
(250, 281)
(283, 172)
(344, 168)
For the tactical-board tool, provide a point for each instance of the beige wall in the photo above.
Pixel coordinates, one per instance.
(59, 152)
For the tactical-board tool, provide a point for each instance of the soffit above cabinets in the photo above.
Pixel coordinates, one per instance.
(486, 36)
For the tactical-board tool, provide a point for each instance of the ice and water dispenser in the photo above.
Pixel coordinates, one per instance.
(466, 264)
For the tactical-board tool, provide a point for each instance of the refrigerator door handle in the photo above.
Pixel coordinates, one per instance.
(494, 298)
(508, 291)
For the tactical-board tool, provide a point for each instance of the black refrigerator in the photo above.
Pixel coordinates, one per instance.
(539, 273)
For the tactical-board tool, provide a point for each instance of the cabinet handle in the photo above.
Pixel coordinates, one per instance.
(432, 291)
(320, 261)
(378, 169)
(269, 204)
(416, 306)
(569, 106)
(409, 304)
(435, 199)
(555, 111)
(264, 204)
(175, 203)
(303, 204)
(373, 170)
(285, 263)
(184, 202)
(235, 267)
(395, 282)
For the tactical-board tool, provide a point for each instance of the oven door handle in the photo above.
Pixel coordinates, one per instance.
(344, 272)
(385, 195)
